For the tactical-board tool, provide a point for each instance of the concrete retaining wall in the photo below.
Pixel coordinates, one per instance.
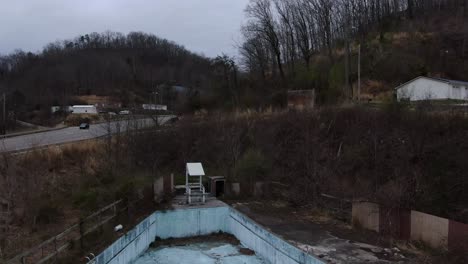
(430, 229)
(366, 215)
(202, 221)
(158, 189)
(437, 232)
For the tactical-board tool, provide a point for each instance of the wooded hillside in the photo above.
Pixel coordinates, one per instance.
(287, 45)
(306, 44)
(126, 66)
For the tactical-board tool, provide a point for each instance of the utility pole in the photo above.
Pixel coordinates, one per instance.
(359, 73)
(160, 94)
(347, 86)
(155, 94)
(4, 114)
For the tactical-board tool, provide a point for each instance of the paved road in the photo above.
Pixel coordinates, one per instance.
(71, 134)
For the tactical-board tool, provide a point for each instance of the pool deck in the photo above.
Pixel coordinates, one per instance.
(179, 203)
(313, 238)
(331, 242)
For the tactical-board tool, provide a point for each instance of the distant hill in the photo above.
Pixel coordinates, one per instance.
(396, 46)
(128, 67)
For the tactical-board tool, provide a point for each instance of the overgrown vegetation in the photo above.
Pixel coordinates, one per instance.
(398, 157)
(253, 166)
(51, 189)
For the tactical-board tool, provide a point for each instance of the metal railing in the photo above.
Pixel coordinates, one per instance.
(53, 246)
(200, 192)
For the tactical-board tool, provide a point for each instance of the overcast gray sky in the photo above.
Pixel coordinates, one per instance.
(204, 26)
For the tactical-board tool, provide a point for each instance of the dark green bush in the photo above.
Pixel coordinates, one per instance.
(49, 213)
(87, 200)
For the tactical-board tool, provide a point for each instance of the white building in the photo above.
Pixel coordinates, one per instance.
(154, 107)
(84, 109)
(426, 88)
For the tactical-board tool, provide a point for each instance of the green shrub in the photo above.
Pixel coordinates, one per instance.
(252, 166)
(87, 199)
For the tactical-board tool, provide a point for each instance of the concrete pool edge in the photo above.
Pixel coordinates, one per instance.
(271, 246)
(190, 222)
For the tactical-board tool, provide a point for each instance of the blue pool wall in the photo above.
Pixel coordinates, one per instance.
(203, 221)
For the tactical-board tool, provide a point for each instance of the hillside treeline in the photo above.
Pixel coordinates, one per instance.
(287, 45)
(305, 44)
(129, 67)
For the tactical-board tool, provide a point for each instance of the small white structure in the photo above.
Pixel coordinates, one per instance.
(154, 107)
(194, 182)
(427, 88)
(55, 109)
(124, 112)
(84, 109)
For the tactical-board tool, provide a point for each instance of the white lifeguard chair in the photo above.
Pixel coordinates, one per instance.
(194, 189)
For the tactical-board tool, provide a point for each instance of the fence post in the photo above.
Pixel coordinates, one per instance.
(128, 209)
(55, 246)
(81, 234)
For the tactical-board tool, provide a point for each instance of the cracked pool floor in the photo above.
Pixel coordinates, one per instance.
(201, 253)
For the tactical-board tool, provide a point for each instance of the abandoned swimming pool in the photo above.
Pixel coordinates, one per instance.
(133, 247)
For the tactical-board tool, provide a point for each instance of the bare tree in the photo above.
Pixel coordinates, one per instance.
(324, 12)
(286, 12)
(263, 23)
(226, 67)
(255, 55)
(305, 28)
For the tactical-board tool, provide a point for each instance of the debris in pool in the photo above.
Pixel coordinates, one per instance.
(118, 228)
(215, 237)
(247, 251)
(201, 253)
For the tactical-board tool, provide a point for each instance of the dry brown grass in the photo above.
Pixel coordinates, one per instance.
(402, 38)
(95, 99)
(47, 180)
